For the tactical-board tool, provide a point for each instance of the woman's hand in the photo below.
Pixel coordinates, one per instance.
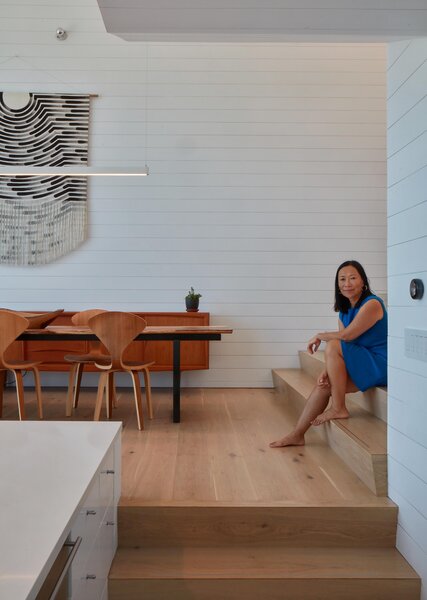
(323, 380)
(313, 344)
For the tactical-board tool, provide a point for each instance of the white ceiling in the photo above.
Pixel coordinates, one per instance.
(265, 20)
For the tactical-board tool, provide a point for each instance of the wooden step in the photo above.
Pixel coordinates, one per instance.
(373, 400)
(344, 524)
(229, 573)
(360, 441)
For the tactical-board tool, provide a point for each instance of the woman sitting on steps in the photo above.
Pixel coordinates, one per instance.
(356, 354)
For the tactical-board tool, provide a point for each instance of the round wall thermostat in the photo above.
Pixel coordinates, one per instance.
(416, 289)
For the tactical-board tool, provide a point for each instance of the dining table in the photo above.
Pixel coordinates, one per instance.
(175, 334)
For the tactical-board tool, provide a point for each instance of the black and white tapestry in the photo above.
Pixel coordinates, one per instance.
(45, 217)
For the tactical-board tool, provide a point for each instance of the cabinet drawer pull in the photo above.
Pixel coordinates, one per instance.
(90, 576)
(91, 512)
(75, 546)
(110, 523)
(108, 472)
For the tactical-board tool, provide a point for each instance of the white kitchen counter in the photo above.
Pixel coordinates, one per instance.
(45, 470)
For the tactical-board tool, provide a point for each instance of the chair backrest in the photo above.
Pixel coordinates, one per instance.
(82, 318)
(116, 330)
(11, 327)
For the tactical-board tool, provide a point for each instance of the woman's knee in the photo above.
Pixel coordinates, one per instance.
(333, 347)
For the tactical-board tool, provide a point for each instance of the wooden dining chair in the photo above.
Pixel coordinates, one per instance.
(11, 327)
(78, 361)
(116, 330)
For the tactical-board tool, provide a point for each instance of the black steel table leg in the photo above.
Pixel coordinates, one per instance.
(176, 381)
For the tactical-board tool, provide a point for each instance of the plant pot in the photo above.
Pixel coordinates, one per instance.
(192, 304)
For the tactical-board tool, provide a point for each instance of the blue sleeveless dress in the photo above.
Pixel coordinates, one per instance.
(366, 356)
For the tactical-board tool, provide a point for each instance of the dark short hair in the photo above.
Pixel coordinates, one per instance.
(342, 304)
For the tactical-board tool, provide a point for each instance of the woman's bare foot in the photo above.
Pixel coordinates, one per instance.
(292, 439)
(330, 414)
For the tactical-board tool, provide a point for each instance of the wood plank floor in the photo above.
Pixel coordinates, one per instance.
(219, 452)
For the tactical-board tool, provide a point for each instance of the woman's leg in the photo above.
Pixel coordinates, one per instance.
(316, 404)
(340, 384)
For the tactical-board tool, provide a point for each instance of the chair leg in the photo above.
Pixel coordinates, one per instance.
(148, 392)
(2, 382)
(79, 373)
(110, 395)
(115, 401)
(20, 393)
(138, 399)
(70, 393)
(103, 379)
(38, 391)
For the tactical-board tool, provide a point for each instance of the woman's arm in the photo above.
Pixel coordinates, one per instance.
(368, 315)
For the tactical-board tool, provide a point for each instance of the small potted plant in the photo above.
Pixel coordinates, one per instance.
(192, 301)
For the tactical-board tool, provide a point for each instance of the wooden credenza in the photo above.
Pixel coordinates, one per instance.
(194, 354)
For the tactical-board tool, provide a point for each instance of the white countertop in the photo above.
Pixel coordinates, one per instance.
(45, 469)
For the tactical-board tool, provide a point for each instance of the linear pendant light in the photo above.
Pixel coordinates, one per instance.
(71, 171)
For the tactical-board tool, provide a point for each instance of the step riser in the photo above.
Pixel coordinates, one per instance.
(372, 470)
(364, 526)
(253, 589)
(373, 400)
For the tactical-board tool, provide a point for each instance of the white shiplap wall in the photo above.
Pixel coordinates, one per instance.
(267, 169)
(407, 254)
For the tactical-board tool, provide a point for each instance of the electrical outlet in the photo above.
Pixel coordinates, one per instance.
(416, 344)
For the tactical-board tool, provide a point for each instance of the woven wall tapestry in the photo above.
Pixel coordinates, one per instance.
(42, 218)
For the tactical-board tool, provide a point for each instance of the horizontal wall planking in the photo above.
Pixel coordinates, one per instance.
(409, 455)
(241, 220)
(408, 192)
(260, 166)
(136, 144)
(407, 64)
(218, 79)
(395, 50)
(408, 225)
(408, 160)
(236, 362)
(134, 189)
(244, 231)
(397, 358)
(164, 179)
(48, 25)
(171, 66)
(398, 290)
(106, 45)
(406, 316)
(408, 257)
(400, 414)
(299, 337)
(413, 554)
(229, 348)
(411, 520)
(407, 96)
(50, 10)
(266, 51)
(99, 203)
(226, 129)
(238, 115)
(265, 103)
(403, 478)
(292, 251)
(408, 128)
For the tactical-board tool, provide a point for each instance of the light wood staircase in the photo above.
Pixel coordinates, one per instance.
(256, 552)
(361, 441)
(219, 551)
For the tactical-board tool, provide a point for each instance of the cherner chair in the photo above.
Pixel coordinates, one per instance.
(11, 327)
(116, 330)
(78, 361)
